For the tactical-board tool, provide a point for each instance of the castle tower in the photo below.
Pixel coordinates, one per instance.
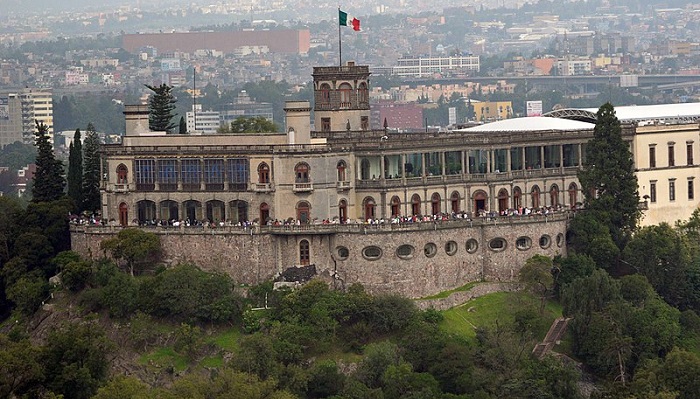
(341, 97)
(298, 120)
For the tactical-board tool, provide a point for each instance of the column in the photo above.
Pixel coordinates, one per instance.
(403, 170)
(580, 155)
(561, 158)
(541, 157)
(381, 167)
(442, 162)
(464, 165)
(508, 163)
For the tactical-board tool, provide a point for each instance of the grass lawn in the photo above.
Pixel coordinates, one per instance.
(498, 307)
(165, 357)
(226, 339)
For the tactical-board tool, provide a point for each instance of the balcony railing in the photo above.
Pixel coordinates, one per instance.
(262, 187)
(121, 188)
(303, 187)
(343, 185)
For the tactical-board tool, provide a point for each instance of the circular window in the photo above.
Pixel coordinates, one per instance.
(472, 245)
(372, 252)
(430, 250)
(560, 240)
(523, 243)
(497, 244)
(545, 241)
(342, 252)
(405, 251)
(451, 248)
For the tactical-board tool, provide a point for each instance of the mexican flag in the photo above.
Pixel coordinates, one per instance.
(344, 20)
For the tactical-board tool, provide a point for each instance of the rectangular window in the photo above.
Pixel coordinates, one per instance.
(238, 174)
(689, 153)
(671, 190)
(145, 174)
(325, 124)
(191, 172)
(652, 192)
(691, 189)
(652, 157)
(167, 174)
(214, 174)
(671, 156)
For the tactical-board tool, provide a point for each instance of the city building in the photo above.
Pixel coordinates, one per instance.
(427, 65)
(204, 122)
(19, 111)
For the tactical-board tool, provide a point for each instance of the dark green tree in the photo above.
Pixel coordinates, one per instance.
(135, 246)
(91, 171)
(608, 179)
(48, 179)
(75, 172)
(242, 124)
(161, 105)
(183, 125)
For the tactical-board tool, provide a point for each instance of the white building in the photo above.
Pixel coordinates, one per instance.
(424, 65)
(205, 122)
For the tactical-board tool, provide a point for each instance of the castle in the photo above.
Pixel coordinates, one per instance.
(412, 213)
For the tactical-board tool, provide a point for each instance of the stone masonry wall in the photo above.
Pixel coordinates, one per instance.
(252, 258)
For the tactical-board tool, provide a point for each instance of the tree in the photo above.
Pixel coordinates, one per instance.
(135, 246)
(19, 366)
(538, 278)
(183, 126)
(75, 172)
(91, 171)
(608, 179)
(243, 124)
(48, 179)
(161, 105)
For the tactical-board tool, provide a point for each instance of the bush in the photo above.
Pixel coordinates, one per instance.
(28, 293)
(391, 313)
(76, 274)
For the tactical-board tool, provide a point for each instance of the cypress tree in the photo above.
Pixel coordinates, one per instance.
(161, 105)
(91, 171)
(183, 125)
(75, 172)
(608, 180)
(48, 179)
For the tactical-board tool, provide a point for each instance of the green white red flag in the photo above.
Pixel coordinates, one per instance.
(345, 20)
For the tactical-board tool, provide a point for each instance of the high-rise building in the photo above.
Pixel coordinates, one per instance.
(19, 112)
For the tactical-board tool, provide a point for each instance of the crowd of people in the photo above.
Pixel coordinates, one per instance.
(95, 220)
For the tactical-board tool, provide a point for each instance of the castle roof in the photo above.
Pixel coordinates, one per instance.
(683, 112)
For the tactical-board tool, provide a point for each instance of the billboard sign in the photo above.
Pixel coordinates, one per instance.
(534, 108)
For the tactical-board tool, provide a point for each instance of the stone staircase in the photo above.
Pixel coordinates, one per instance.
(554, 334)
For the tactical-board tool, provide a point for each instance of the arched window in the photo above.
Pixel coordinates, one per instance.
(435, 204)
(263, 173)
(535, 196)
(480, 198)
(146, 211)
(502, 200)
(517, 197)
(395, 206)
(454, 202)
(215, 211)
(238, 212)
(302, 173)
(304, 252)
(415, 205)
(325, 94)
(362, 94)
(123, 214)
(343, 211)
(364, 169)
(341, 170)
(264, 213)
(345, 95)
(303, 212)
(554, 195)
(573, 195)
(193, 210)
(370, 208)
(169, 210)
(122, 174)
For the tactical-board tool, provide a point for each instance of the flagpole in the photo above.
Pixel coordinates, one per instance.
(340, 44)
